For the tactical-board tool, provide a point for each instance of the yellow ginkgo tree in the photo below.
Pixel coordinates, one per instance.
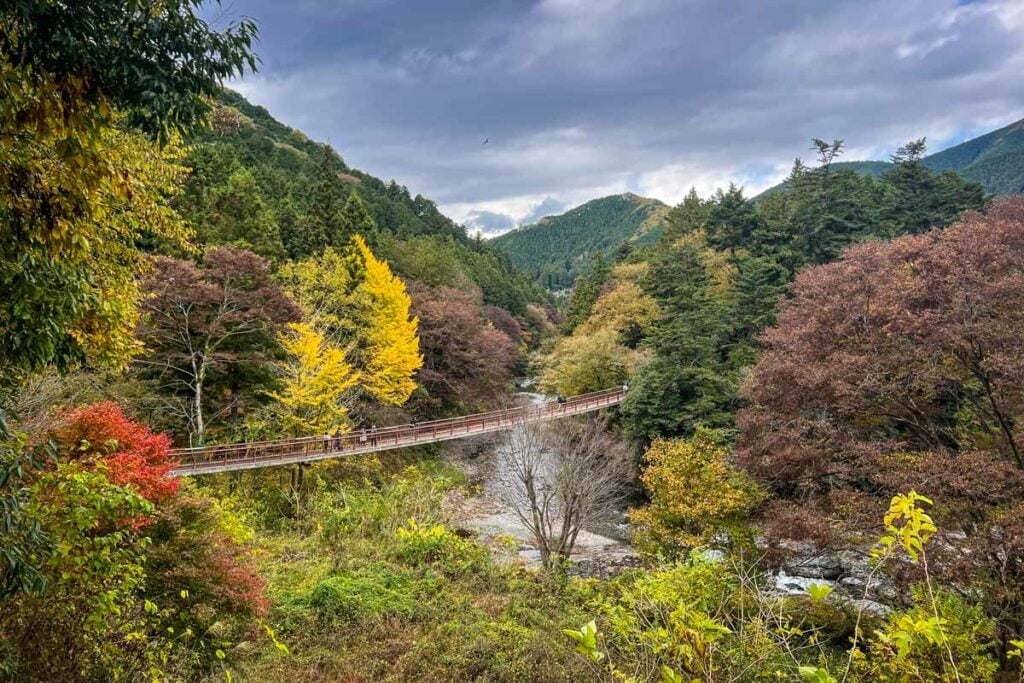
(317, 383)
(357, 302)
(390, 344)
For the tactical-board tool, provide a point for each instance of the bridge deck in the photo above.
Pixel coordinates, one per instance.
(247, 456)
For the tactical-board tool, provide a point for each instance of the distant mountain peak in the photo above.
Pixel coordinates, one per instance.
(553, 248)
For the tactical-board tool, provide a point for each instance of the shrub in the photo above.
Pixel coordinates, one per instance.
(130, 452)
(933, 642)
(436, 545)
(374, 593)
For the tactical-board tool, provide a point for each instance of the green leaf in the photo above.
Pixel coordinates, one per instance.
(819, 591)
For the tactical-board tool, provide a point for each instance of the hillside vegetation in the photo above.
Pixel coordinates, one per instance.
(553, 250)
(826, 387)
(996, 160)
(258, 184)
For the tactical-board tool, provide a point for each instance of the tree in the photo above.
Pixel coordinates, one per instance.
(129, 453)
(604, 351)
(586, 362)
(324, 217)
(130, 69)
(202, 573)
(466, 363)
(585, 293)
(504, 321)
(732, 220)
(697, 497)
(756, 289)
(355, 220)
(388, 346)
(564, 479)
(317, 383)
(688, 382)
(355, 299)
(322, 286)
(901, 365)
(236, 214)
(93, 567)
(828, 210)
(222, 313)
(21, 535)
(689, 215)
(432, 261)
(68, 261)
(77, 191)
(924, 199)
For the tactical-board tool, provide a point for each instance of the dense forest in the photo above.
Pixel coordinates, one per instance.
(554, 250)
(820, 446)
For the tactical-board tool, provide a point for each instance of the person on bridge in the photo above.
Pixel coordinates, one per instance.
(337, 439)
(327, 442)
(362, 436)
(373, 435)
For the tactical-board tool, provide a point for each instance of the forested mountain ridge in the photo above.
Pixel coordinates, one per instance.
(995, 159)
(553, 249)
(259, 184)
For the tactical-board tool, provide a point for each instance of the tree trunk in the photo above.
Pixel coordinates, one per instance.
(198, 375)
(198, 408)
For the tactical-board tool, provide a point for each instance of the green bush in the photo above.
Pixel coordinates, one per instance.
(436, 545)
(939, 642)
(702, 618)
(373, 593)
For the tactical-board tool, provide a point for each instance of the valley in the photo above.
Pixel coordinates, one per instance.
(269, 417)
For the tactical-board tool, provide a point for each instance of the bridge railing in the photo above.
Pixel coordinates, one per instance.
(366, 440)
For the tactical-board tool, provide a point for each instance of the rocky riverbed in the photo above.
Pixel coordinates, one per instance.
(603, 550)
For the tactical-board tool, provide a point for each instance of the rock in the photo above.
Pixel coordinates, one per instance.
(819, 566)
(875, 609)
(604, 567)
(788, 584)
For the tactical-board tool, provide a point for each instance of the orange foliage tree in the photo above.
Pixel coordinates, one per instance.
(131, 454)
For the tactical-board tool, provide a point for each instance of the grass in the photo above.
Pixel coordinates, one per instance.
(369, 582)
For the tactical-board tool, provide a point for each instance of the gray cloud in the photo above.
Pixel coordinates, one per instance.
(489, 223)
(549, 207)
(582, 98)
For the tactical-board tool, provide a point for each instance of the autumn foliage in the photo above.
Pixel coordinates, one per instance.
(466, 360)
(902, 365)
(130, 453)
(697, 496)
(911, 346)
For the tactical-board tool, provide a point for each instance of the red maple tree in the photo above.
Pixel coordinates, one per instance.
(131, 453)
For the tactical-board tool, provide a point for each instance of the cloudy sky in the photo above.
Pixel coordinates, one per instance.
(585, 98)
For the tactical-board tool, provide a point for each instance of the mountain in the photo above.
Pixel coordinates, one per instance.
(258, 183)
(996, 160)
(553, 249)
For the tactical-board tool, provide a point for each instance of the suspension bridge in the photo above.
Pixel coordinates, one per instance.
(256, 454)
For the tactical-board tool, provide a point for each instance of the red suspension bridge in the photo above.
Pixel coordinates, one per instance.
(255, 454)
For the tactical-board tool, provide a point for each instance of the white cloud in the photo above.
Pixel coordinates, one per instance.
(584, 98)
